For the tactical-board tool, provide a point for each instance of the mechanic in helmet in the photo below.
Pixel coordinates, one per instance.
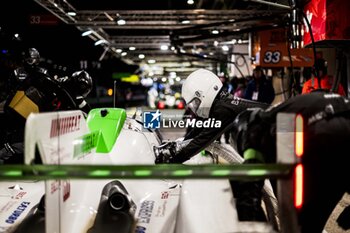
(320, 70)
(325, 158)
(205, 98)
(39, 92)
(79, 85)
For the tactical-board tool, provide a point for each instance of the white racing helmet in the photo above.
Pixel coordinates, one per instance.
(199, 91)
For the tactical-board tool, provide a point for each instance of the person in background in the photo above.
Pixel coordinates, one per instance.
(260, 88)
(39, 92)
(240, 87)
(320, 70)
(227, 87)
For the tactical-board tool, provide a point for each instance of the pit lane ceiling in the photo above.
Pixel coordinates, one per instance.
(192, 33)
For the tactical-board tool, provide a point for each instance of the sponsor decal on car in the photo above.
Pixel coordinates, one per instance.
(164, 195)
(140, 229)
(20, 195)
(64, 125)
(161, 210)
(85, 144)
(145, 213)
(17, 212)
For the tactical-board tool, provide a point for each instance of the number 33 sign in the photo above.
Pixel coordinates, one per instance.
(272, 57)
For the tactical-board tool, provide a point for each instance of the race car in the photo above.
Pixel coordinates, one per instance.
(108, 137)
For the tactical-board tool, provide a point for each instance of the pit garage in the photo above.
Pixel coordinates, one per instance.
(90, 90)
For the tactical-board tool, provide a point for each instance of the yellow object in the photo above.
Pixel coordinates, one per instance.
(132, 78)
(110, 92)
(23, 105)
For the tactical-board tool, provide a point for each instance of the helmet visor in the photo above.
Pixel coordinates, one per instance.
(193, 105)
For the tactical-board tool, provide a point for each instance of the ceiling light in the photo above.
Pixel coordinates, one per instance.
(124, 54)
(118, 50)
(225, 48)
(190, 2)
(163, 79)
(215, 32)
(71, 13)
(100, 42)
(172, 48)
(151, 61)
(132, 48)
(141, 56)
(164, 47)
(177, 79)
(86, 33)
(185, 21)
(216, 43)
(121, 22)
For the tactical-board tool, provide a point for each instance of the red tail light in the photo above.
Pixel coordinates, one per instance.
(161, 105)
(298, 186)
(299, 169)
(180, 105)
(299, 135)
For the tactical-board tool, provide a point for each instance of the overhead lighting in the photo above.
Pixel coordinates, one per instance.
(172, 48)
(185, 21)
(141, 56)
(215, 32)
(151, 61)
(216, 43)
(86, 33)
(108, 16)
(164, 47)
(71, 13)
(190, 2)
(177, 79)
(119, 50)
(100, 42)
(225, 48)
(121, 22)
(132, 48)
(124, 54)
(163, 79)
